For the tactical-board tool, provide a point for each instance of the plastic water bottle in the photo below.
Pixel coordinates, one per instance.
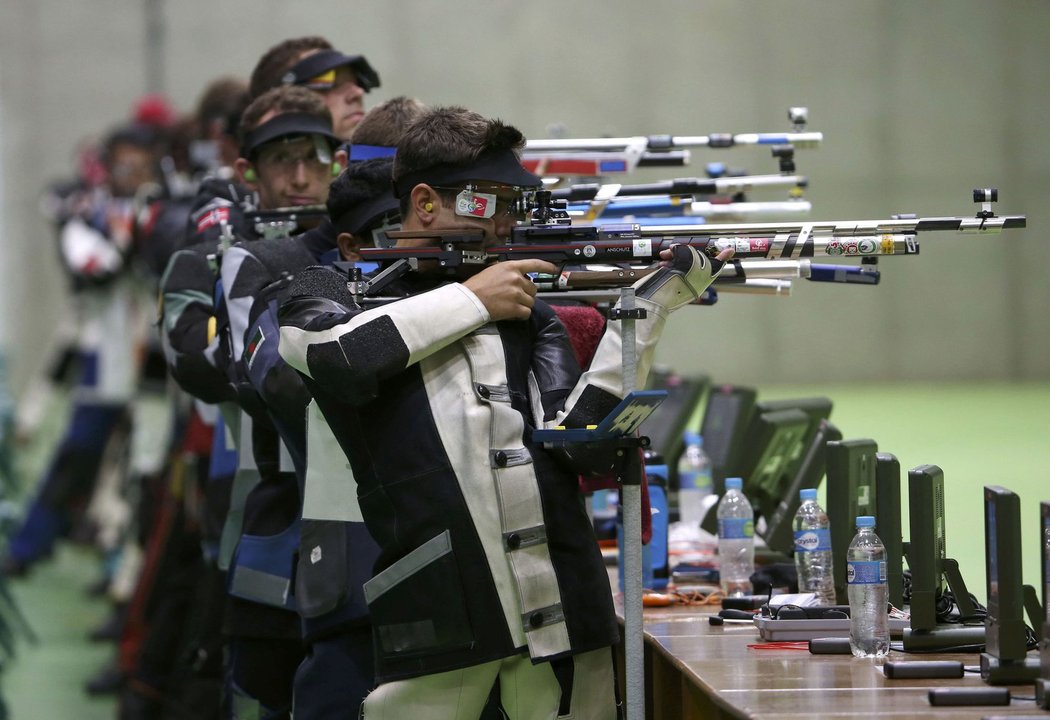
(869, 627)
(694, 480)
(813, 549)
(736, 540)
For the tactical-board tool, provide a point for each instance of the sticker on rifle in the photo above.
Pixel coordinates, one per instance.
(849, 247)
(472, 204)
(887, 245)
(589, 251)
(761, 245)
(866, 246)
(834, 248)
(642, 247)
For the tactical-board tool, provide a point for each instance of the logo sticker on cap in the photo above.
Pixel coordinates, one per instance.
(472, 204)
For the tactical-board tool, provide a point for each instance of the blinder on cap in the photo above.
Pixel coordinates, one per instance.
(499, 166)
(288, 125)
(317, 71)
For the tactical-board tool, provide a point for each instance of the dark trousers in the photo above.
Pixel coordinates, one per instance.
(335, 676)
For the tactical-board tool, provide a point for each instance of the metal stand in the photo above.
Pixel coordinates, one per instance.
(616, 432)
(631, 499)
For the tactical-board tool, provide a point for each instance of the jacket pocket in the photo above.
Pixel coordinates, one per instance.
(321, 580)
(417, 604)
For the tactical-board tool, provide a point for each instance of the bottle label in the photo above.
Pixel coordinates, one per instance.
(687, 479)
(865, 572)
(812, 540)
(736, 528)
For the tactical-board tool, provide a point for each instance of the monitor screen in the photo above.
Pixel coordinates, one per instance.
(771, 465)
(666, 425)
(926, 543)
(775, 442)
(1044, 512)
(851, 492)
(776, 529)
(726, 414)
(1004, 625)
(888, 522)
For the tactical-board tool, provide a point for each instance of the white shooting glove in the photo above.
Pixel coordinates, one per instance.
(688, 275)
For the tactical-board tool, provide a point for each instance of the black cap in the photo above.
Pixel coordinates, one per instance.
(288, 124)
(366, 207)
(321, 62)
(499, 166)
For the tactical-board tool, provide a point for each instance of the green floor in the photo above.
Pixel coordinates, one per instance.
(46, 680)
(979, 434)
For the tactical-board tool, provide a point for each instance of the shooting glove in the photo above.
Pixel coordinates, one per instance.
(688, 275)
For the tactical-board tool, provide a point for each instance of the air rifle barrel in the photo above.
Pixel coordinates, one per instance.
(662, 143)
(679, 186)
(649, 211)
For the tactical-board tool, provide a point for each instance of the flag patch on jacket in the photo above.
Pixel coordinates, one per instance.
(253, 346)
(212, 217)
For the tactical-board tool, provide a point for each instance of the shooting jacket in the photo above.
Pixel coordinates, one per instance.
(486, 549)
(338, 554)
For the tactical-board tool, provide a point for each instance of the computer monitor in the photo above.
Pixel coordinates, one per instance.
(778, 469)
(931, 569)
(926, 543)
(1044, 544)
(888, 523)
(1042, 686)
(726, 415)
(777, 529)
(775, 443)
(851, 493)
(1006, 641)
(666, 426)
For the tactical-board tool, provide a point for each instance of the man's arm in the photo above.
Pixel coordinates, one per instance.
(601, 387)
(188, 325)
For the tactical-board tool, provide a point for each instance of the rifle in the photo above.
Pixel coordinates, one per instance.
(282, 222)
(552, 237)
(694, 186)
(671, 209)
(605, 156)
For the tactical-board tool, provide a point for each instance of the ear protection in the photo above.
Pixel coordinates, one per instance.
(336, 169)
(428, 206)
(250, 176)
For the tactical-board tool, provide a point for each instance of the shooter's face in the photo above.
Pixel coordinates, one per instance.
(290, 174)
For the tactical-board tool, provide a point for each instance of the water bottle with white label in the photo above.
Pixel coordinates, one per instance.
(813, 549)
(736, 540)
(694, 480)
(869, 626)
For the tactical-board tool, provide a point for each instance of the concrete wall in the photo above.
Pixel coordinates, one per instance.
(920, 101)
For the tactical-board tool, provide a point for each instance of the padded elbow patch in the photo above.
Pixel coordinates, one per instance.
(352, 366)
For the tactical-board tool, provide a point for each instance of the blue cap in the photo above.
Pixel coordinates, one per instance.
(734, 483)
(807, 494)
(865, 521)
(692, 438)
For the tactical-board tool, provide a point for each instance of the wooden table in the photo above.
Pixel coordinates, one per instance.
(695, 670)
